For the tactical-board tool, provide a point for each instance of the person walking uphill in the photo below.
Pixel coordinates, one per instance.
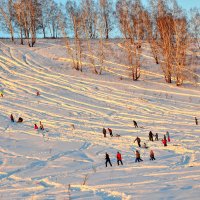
(168, 137)
(107, 158)
(12, 118)
(164, 141)
(110, 131)
(135, 124)
(150, 136)
(138, 141)
(196, 121)
(137, 155)
(104, 132)
(119, 158)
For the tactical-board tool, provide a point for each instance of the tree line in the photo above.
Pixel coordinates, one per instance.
(162, 24)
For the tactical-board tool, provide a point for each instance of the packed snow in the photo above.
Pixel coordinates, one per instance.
(66, 160)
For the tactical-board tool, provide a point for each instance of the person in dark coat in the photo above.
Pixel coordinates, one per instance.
(110, 131)
(150, 136)
(119, 158)
(20, 120)
(156, 136)
(135, 124)
(196, 121)
(104, 132)
(12, 118)
(137, 155)
(138, 141)
(107, 158)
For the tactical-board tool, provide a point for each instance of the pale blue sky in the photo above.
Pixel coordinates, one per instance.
(186, 4)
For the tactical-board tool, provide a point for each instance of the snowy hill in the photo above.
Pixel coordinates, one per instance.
(67, 159)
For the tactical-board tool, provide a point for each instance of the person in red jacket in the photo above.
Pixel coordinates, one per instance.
(164, 141)
(119, 158)
(35, 127)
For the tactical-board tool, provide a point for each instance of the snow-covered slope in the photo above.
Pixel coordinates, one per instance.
(66, 160)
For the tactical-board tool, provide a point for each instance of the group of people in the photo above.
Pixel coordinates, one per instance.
(20, 119)
(119, 158)
(105, 132)
(41, 126)
(165, 139)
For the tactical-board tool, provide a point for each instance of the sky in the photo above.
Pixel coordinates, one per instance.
(186, 4)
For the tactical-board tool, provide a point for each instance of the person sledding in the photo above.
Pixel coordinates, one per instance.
(107, 158)
(119, 158)
(110, 131)
(104, 132)
(150, 136)
(137, 156)
(152, 157)
(12, 118)
(168, 137)
(35, 126)
(138, 141)
(164, 141)
(20, 120)
(41, 126)
(135, 124)
(145, 146)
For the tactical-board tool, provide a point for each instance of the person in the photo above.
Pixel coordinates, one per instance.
(35, 127)
(107, 158)
(138, 141)
(104, 132)
(164, 141)
(38, 93)
(150, 136)
(152, 155)
(1, 93)
(137, 155)
(20, 120)
(12, 118)
(119, 158)
(168, 137)
(135, 124)
(196, 121)
(156, 137)
(145, 146)
(110, 131)
(41, 126)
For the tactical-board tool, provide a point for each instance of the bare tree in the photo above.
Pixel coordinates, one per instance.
(107, 15)
(75, 17)
(195, 26)
(6, 11)
(130, 15)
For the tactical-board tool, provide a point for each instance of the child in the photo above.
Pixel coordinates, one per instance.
(35, 127)
(137, 154)
(152, 155)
